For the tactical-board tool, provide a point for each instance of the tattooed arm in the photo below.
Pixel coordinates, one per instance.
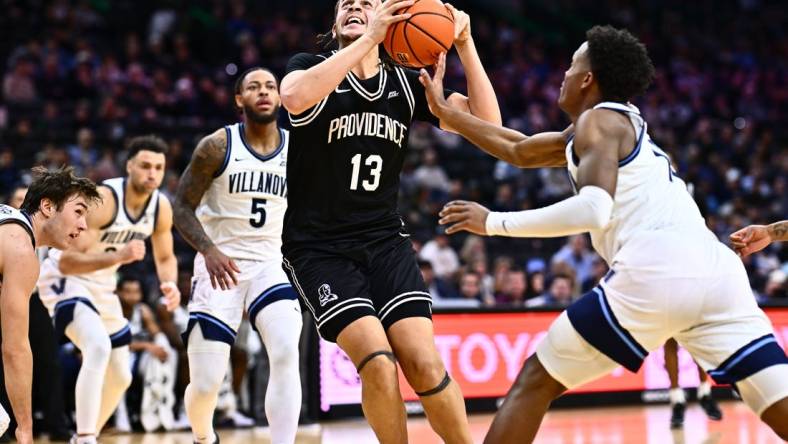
(778, 231)
(757, 237)
(206, 161)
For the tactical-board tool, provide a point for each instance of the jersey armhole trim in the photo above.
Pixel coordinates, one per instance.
(117, 204)
(23, 225)
(408, 92)
(226, 161)
(156, 212)
(635, 151)
(307, 119)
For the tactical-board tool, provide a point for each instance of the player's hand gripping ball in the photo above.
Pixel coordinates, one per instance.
(430, 30)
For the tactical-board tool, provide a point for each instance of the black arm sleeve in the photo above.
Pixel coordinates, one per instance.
(421, 111)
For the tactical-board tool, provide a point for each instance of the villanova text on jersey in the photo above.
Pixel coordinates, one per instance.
(367, 124)
(122, 237)
(257, 182)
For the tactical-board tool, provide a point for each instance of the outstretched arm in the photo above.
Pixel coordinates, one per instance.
(755, 238)
(598, 142)
(537, 151)
(206, 161)
(481, 101)
(20, 269)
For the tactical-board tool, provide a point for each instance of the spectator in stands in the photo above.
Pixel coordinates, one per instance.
(577, 254)
(514, 290)
(479, 266)
(598, 271)
(559, 296)
(430, 174)
(436, 286)
(441, 255)
(83, 155)
(148, 345)
(19, 87)
(470, 287)
(17, 196)
(501, 267)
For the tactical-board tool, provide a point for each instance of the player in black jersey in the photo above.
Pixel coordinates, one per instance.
(345, 246)
(52, 214)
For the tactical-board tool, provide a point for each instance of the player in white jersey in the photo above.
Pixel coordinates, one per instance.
(230, 205)
(52, 214)
(669, 275)
(78, 285)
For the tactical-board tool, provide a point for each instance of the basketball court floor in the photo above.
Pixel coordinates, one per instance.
(615, 425)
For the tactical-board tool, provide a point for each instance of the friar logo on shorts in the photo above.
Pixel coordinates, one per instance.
(325, 295)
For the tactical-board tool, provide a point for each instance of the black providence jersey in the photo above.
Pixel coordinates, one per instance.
(346, 154)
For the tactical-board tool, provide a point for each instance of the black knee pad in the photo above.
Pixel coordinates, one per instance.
(439, 388)
(369, 357)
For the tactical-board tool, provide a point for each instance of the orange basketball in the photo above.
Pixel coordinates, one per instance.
(417, 41)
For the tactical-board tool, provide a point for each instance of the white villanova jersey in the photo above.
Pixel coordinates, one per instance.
(243, 210)
(649, 196)
(114, 236)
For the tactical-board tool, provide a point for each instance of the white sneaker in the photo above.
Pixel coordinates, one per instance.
(76, 439)
(241, 420)
(181, 423)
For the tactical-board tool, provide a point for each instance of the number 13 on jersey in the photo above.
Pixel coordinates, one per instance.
(375, 162)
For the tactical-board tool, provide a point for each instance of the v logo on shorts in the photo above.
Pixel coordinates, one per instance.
(324, 292)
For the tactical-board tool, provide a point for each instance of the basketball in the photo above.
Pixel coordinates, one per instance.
(417, 41)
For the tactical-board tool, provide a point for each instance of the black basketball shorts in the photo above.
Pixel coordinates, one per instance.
(345, 284)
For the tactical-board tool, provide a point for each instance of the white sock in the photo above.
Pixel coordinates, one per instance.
(279, 325)
(5, 420)
(677, 396)
(87, 332)
(704, 389)
(207, 366)
(116, 381)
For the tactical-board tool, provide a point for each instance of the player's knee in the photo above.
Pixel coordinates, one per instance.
(378, 371)
(122, 377)
(423, 371)
(96, 353)
(774, 417)
(203, 387)
(283, 356)
(534, 379)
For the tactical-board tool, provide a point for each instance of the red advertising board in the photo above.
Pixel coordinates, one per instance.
(484, 352)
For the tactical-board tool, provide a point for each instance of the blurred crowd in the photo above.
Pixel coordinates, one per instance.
(79, 77)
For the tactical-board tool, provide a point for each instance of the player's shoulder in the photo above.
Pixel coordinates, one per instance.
(601, 123)
(306, 60)
(17, 238)
(212, 148)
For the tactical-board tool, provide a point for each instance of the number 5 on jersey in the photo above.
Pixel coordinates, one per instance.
(258, 209)
(376, 163)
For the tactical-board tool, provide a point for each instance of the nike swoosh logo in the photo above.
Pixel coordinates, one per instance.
(340, 91)
(238, 160)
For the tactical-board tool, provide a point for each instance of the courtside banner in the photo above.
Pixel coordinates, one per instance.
(484, 352)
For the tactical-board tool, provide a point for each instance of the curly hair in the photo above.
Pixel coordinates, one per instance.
(58, 186)
(620, 63)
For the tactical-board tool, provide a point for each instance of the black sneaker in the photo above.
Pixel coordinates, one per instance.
(711, 408)
(677, 417)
